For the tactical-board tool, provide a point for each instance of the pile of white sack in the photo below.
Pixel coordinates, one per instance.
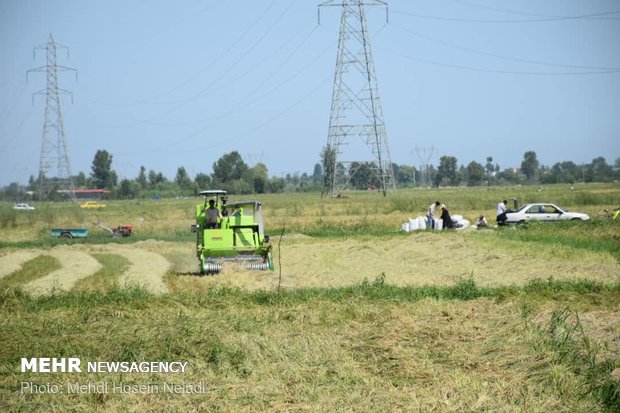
(421, 223)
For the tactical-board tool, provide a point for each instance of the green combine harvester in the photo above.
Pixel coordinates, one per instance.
(233, 233)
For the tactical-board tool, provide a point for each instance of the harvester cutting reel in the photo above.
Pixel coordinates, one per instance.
(215, 266)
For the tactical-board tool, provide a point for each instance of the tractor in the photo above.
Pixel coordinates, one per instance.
(235, 236)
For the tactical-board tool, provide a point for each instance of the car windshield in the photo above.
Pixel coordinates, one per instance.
(521, 208)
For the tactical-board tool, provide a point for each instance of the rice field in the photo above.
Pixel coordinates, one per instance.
(357, 316)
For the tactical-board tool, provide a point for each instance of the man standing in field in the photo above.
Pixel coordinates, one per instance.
(430, 215)
(501, 212)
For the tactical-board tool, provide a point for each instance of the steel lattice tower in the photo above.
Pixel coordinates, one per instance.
(356, 109)
(54, 151)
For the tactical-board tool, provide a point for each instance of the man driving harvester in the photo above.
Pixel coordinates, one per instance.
(212, 215)
(230, 233)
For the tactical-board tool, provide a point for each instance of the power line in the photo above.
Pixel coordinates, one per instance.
(12, 134)
(515, 59)
(206, 67)
(234, 137)
(240, 103)
(595, 16)
(206, 90)
(509, 72)
(11, 108)
(550, 16)
(281, 65)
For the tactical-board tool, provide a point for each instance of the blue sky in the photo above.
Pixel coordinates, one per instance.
(169, 84)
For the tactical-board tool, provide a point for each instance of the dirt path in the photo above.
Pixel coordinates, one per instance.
(75, 266)
(14, 261)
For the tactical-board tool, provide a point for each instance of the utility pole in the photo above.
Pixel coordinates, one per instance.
(356, 110)
(54, 152)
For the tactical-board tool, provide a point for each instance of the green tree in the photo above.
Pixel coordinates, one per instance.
(363, 175)
(328, 160)
(276, 184)
(562, 172)
(475, 172)
(259, 176)
(156, 179)
(80, 180)
(13, 191)
(202, 181)
(33, 183)
(317, 175)
(182, 180)
(447, 171)
(529, 166)
(128, 189)
(238, 186)
(509, 175)
(601, 171)
(489, 167)
(101, 171)
(142, 181)
(406, 175)
(230, 167)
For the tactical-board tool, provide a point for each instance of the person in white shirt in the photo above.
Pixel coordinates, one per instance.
(501, 212)
(212, 215)
(430, 215)
(481, 222)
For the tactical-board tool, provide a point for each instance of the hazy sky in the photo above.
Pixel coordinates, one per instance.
(180, 83)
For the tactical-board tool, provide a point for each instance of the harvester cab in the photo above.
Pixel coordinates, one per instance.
(237, 236)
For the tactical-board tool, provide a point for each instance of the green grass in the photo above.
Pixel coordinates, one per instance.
(567, 347)
(594, 236)
(358, 212)
(371, 291)
(31, 270)
(317, 348)
(107, 277)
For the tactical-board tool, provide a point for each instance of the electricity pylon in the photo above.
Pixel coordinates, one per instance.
(356, 108)
(425, 155)
(53, 149)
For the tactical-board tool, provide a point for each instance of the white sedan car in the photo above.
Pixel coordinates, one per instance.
(23, 207)
(543, 212)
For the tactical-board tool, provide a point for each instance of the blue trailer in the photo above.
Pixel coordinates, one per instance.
(69, 232)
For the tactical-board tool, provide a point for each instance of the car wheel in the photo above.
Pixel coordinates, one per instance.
(522, 222)
(66, 235)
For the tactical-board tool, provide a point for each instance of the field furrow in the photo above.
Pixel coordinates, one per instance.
(75, 266)
(146, 269)
(14, 261)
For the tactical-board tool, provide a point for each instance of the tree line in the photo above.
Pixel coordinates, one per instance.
(529, 172)
(230, 172)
